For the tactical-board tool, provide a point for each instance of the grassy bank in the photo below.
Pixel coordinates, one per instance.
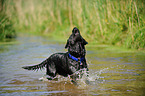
(114, 22)
(6, 26)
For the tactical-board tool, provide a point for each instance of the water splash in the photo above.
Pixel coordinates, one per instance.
(83, 80)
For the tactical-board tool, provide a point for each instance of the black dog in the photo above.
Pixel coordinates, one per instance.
(66, 63)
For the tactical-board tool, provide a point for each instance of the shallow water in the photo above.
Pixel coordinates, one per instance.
(111, 72)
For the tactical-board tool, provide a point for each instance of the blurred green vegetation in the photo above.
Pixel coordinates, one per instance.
(114, 22)
(6, 26)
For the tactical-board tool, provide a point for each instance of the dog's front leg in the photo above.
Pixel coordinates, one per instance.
(74, 78)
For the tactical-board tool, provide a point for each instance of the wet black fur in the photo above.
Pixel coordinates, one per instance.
(61, 63)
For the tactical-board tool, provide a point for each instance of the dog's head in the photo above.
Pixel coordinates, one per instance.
(75, 31)
(76, 44)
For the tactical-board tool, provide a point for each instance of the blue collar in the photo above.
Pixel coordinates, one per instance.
(76, 59)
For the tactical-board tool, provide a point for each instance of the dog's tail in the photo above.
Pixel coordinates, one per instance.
(36, 67)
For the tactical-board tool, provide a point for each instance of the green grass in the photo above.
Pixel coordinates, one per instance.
(113, 22)
(6, 28)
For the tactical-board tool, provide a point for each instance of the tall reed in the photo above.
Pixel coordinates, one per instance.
(116, 22)
(6, 26)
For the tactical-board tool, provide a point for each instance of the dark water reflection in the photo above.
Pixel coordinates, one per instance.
(111, 72)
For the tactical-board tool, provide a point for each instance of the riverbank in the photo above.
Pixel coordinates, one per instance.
(120, 23)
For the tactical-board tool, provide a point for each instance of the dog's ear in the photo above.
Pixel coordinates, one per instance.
(84, 41)
(67, 44)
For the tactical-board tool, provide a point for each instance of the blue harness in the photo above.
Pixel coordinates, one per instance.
(76, 59)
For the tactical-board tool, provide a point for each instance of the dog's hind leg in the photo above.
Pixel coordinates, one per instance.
(51, 71)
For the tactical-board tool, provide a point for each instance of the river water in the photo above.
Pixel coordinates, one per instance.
(112, 73)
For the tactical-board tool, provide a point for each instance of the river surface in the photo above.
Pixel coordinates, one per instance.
(112, 73)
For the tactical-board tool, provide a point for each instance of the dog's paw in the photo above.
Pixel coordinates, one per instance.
(43, 79)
